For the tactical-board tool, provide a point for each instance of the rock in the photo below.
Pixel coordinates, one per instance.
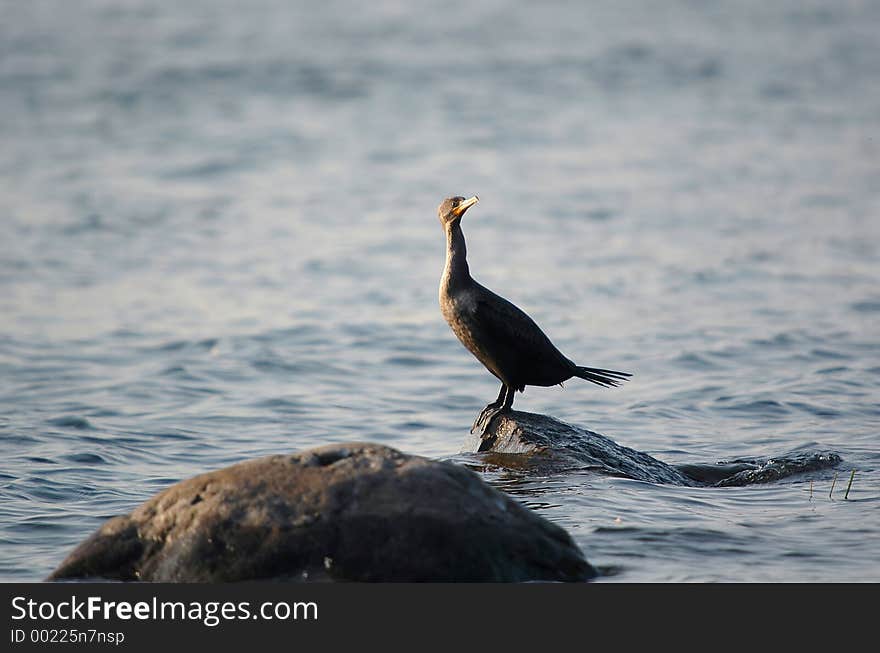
(550, 446)
(543, 444)
(353, 512)
(752, 471)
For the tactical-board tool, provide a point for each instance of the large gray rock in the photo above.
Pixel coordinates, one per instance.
(548, 445)
(353, 512)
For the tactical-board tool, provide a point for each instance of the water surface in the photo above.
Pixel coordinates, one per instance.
(218, 241)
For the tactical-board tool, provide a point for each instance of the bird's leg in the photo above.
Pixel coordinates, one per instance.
(492, 411)
(478, 423)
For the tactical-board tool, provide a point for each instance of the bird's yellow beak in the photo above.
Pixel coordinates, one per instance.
(464, 206)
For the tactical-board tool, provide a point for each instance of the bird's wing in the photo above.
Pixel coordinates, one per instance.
(518, 347)
(506, 321)
(510, 329)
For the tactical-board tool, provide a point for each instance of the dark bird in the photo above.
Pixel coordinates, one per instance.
(500, 335)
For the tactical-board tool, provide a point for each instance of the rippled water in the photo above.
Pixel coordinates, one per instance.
(218, 240)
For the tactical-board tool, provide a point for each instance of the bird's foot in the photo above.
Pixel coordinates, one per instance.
(480, 422)
(484, 419)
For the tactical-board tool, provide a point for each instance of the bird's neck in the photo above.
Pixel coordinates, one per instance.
(456, 272)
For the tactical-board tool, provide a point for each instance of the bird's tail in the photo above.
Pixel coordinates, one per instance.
(607, 378)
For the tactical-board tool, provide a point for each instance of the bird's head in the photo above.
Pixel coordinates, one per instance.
(452, 208)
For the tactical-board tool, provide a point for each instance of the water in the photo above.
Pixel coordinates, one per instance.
(218, 241)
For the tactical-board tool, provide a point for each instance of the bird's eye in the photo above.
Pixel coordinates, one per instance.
(456, 202)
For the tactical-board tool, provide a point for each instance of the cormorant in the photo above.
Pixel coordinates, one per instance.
(500, 335)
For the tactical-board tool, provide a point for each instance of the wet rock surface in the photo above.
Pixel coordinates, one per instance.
(353, 512)
(752, 471)
(551, 445)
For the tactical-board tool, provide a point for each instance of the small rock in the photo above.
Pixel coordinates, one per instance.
(353, 512)
(551, 446)
(542, 444)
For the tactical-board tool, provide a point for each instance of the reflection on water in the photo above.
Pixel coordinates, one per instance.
(219, 241)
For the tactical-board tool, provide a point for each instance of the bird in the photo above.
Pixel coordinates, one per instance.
(499, 334)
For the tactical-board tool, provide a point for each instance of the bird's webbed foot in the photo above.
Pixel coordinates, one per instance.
(500, 405)
(484, 419)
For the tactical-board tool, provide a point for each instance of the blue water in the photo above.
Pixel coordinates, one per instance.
(218, 240)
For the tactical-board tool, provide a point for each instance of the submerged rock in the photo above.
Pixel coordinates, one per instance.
(353, 512)
(751, 471)
(552, 445)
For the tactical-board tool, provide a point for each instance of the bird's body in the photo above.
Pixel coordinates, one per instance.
(504, 338)
(500, 335)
